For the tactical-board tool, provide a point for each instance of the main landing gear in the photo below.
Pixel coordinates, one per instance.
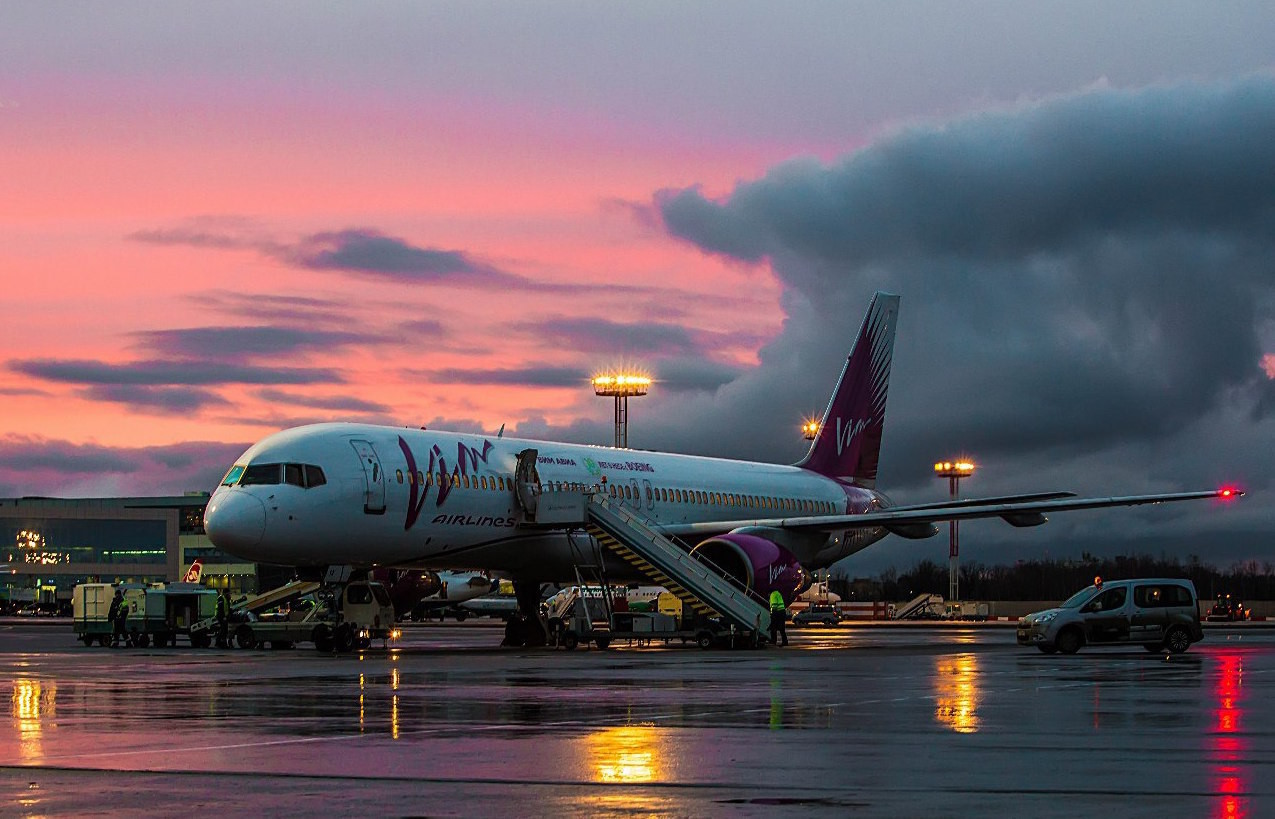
(527, 627)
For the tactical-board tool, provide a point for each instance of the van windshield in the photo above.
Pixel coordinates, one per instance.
(1078, 599)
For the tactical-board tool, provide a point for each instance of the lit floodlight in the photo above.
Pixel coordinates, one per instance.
(621, 386)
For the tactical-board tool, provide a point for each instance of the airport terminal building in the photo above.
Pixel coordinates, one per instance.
(48, 545)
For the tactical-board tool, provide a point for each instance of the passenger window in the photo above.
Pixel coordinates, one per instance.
(500, 481)
(1178, 596)
(612, 490)
(314, 476)
(398, 474)
(420, 478)
(483, 481)
(292, 474)
(260, 475)
(456, 480)
(1110, 600)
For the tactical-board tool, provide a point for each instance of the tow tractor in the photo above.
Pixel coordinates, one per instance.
(336, 616)
(157, 614)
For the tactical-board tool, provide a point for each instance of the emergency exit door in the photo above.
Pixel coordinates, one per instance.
(374, 475)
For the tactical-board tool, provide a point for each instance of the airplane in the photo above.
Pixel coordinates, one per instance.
(419, 593)
(370, 496)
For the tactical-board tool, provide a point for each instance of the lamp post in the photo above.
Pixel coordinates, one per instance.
(620, 386)
(953, 471)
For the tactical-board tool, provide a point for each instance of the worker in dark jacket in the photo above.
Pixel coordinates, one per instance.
(117, 614)
(778, 614)
(223, 619)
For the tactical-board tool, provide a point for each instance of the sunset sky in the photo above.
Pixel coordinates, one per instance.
(220, 220)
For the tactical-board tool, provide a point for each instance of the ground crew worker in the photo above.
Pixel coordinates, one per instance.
(117, 614)
(223, 619)
(778, 614)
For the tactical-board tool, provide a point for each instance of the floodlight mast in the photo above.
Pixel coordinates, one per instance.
(620, 386)
(953, 471)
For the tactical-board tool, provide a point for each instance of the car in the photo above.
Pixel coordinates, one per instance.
(1156, 613)
(1227, 609)
(825, 613)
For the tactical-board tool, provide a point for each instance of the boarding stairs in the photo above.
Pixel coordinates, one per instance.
(918, 606)
(697, 583)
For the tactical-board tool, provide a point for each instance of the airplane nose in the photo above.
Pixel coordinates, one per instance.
(235, 521)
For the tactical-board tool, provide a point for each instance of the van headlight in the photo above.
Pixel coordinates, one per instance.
(1042, 619)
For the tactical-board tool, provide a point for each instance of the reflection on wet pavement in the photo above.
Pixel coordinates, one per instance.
(854, 720)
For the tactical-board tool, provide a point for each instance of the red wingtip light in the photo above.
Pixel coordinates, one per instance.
(1229, 492)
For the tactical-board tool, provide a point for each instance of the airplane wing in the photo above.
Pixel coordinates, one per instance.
(917, 521)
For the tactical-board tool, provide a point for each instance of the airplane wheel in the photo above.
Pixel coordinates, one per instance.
(460, 616)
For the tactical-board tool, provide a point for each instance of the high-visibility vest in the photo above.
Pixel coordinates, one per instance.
(776, 601)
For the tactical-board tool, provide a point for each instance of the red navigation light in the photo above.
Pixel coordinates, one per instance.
(1229, 493)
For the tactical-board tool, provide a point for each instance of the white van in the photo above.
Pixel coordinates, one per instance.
(1157, 613)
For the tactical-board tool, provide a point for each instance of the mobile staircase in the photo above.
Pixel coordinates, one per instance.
(702, 587)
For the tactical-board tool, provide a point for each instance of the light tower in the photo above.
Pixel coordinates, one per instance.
(620, 386)
(953, 471)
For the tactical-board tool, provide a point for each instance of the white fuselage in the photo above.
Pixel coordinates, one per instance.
(367, 496)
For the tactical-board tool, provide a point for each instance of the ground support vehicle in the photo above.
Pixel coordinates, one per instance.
(346, 616)
(1227, 610)
(1156, 613)
(825, 613)
(90, 605)
(581, 619)
(156, 614)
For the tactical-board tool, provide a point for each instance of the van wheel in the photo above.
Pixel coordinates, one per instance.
(1177, 640)
(1044, 649)
(704, 640)
(322, 637)
(570, 640)
(1068, 642)
(343, 639)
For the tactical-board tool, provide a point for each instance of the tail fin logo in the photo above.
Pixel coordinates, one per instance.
(846, 436)
(194, 573)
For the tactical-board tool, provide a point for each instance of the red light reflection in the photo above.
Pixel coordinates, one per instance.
(1227, 744)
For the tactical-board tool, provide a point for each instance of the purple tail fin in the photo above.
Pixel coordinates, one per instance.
(848, 443)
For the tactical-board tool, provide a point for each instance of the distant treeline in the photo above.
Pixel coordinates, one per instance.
(1057, 579)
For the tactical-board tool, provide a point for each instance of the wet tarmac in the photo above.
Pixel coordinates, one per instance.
(851, 721)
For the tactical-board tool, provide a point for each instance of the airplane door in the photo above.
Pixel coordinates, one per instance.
(374, 496)
(650, 494)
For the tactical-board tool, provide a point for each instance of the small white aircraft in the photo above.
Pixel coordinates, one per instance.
(375, 496)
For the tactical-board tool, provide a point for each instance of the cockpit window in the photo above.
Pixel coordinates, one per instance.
(232, 477)
(314, 476)
(260, 474)
(292, 474)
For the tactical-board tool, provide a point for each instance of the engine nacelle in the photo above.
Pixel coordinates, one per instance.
(408, 587)
(756, 563)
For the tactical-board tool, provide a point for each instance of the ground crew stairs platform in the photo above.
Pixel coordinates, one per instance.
(666, 563)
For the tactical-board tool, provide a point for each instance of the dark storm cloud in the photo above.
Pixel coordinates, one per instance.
(236, 343)
(157, 373)
(334, 402)
(535, 375)
(1074, 273)
(151, 398)
(693, 374)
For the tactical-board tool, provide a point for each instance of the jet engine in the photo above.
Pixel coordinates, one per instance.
(755, 563)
